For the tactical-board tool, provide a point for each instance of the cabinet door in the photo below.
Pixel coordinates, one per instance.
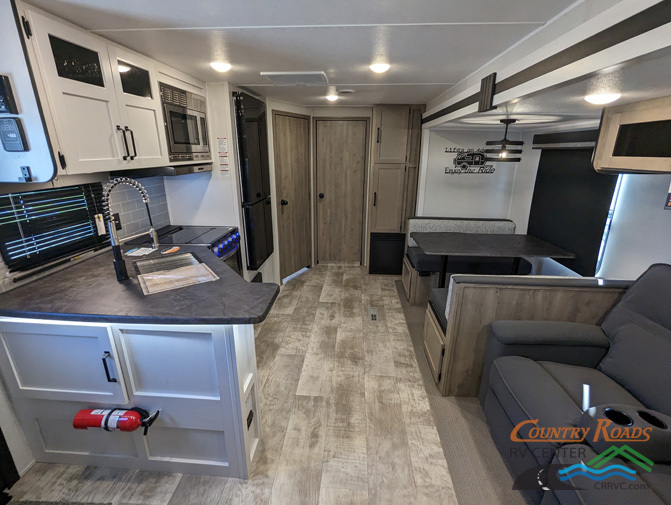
(61, 362)
(388, 182)
(136, 85)
(75, 67)
(391, 138)
(414, 136)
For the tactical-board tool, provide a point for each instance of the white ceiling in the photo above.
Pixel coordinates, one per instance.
(643, 79)
(430, 44)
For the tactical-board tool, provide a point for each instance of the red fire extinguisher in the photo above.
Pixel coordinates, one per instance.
(114, 419)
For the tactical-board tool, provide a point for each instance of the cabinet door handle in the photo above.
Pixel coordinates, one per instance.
(132, 140)
(375, 199)
(284, 202)
(107, 370)
(378, 135)
(125, 142)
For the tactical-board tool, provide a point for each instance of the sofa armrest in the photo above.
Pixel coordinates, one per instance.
(562, 342)
(548, 333)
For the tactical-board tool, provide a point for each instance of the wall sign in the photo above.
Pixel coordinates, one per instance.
(468, 161)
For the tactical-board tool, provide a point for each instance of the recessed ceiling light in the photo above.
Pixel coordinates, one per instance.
(332, 98)
(380, 67)
(220, 66)
(123, 68)
(602, 98)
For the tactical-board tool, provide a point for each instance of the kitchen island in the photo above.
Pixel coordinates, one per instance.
(78, 339)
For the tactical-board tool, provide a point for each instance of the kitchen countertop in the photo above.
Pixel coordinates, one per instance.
(88, 291)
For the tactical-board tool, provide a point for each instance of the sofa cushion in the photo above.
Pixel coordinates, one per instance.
(527, 391)
(438, 302)
(603, 389)
(639, 328)
(423, 262)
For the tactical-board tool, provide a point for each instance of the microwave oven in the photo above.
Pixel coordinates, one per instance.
(185, 118)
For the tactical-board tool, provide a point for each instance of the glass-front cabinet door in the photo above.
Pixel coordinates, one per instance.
(82, 97)
(139, 102)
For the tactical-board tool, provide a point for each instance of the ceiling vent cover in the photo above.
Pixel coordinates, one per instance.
(296, 78)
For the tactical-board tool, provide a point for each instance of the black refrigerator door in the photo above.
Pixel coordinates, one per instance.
(259, 233)
(250, 118)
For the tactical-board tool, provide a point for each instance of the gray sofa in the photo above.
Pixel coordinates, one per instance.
(536, 370)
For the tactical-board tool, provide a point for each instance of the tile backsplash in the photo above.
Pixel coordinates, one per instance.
(127, 202)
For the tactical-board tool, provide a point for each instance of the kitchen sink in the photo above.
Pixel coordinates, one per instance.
(171, 262)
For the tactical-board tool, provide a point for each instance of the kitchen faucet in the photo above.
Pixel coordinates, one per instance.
(119, 263)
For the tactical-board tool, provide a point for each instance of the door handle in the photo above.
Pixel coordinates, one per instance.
(125, 142)
(378, 135)
(132, 139)
(107, 370)
(375, 199)
(321, 196)
(284, 202)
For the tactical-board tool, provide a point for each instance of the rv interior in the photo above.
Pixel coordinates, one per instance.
(335, 253)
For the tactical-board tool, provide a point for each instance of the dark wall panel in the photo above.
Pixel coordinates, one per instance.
(570, 205)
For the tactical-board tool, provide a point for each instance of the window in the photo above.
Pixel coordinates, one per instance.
(609, 221)
(37, 227)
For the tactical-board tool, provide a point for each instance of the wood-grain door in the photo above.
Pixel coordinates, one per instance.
(391, 135)
(292, 180)
(340, 154)
(388, 185)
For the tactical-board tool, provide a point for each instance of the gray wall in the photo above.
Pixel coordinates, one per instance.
(128, 203)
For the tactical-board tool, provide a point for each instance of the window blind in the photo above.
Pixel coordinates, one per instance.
(37, 227)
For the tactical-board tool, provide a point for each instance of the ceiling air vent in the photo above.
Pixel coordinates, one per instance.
(296, 78)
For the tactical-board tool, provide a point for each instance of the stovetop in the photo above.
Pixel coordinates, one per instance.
(187, 235)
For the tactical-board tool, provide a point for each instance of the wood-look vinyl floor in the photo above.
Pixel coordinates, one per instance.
(345, 415)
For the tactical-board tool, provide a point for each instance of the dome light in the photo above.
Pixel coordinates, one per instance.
(331, 98)
(220, 66)
(380, 68)
(602, 98)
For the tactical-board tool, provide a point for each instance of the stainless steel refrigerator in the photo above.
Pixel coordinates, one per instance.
(252, 136)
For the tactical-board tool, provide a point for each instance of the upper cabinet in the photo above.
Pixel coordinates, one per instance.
(104, 100)
(391, 141)
(139, 103)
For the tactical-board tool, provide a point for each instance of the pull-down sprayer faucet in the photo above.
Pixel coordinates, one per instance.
(119, 263)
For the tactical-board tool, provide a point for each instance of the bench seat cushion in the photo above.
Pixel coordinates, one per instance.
(438, 302)
(423, 262)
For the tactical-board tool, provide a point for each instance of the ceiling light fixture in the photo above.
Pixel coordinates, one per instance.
(502, 153)
(380, 68)
(123, 68)
(602, 98)
(332, 98)
(220, 66)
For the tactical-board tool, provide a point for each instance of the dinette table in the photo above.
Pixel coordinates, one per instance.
(486, 245)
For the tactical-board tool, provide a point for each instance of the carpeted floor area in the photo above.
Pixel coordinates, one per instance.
(479, 475)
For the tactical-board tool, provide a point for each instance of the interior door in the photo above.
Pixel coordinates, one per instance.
(140, 107)
(78, 78)
(340, 180)
(292, 180)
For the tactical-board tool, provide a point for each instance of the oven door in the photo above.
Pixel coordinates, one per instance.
(234, 260)
(185, 133)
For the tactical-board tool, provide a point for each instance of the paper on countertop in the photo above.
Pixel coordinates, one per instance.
(165, 280)
(140, 251)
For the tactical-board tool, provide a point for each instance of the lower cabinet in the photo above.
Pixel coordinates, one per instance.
(202, 378)
(434, 344)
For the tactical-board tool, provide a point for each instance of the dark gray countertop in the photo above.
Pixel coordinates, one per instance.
(88, 291)
(487, 245)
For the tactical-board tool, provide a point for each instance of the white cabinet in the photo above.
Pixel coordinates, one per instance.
(83, 102)
(136, 85)
(69, 362)
(104, 99)
(201, 377)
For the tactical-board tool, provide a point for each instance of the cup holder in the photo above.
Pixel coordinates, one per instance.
(619, 417)
(651, 419)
